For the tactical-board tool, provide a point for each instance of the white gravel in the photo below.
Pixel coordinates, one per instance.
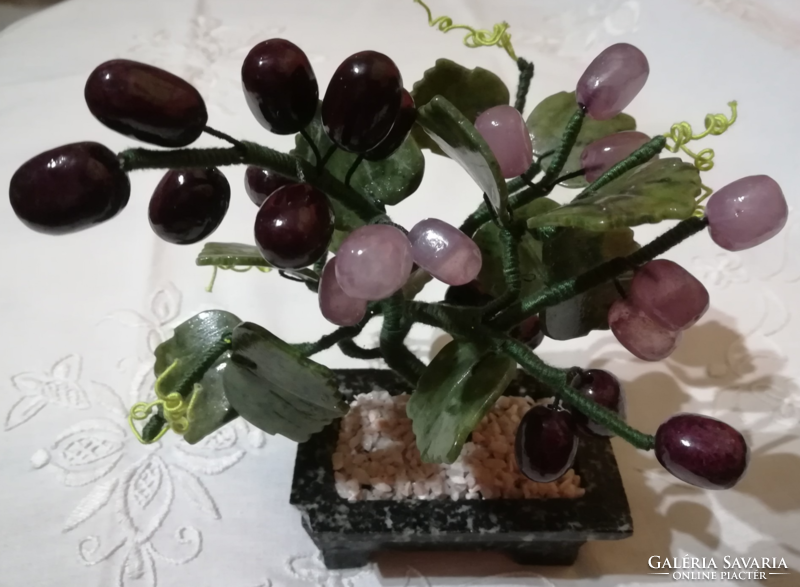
(377, 457)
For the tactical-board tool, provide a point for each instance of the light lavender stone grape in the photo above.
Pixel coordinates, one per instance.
(671, 296)
(601, 155)
(639, 334)
(504, 129)
(336, 306)
(746, 213)
(612, 81)
(373, 262)
(445, 252)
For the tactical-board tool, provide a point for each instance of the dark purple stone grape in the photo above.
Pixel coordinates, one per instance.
(546, 443)
(259, 183)
(69, 188)
(294, 226)
(529, 331)
(146, 103)
(603, 389)
(280, 86)
(362, 101)
(400, 129)
(189, 204)
(670, 296)
(702, 451)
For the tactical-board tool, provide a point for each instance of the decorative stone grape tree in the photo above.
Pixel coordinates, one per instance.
(520, 267)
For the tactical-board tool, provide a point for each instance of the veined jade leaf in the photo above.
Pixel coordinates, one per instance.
(661, 189)
(533, 273)
(388, 181)
(570, 252)
(276, 389)
(455, 392)
(457, 136)
(228, 255)
(210, 409)
(471, 91)
(547, 122)
(191, 341)
(231, 255)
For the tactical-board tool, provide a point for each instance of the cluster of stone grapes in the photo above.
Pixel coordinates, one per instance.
(366, 111)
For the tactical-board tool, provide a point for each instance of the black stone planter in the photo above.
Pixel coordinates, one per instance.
(531, 531)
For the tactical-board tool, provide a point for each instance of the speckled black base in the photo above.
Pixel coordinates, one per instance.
(531, 531)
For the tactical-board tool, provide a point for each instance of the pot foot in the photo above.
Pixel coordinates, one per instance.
(337, 558)
(546, 554)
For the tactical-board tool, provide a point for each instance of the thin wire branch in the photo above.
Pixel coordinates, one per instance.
(221, 135)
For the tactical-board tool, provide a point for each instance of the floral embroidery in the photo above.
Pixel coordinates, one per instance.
(720, 270)
(211, 47)
(58, 387)
(311, 569)
(133, 484)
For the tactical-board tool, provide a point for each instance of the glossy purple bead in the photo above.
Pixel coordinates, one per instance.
(445, 252)
(612, 81)
(702, 451)
(601, 155)
(373, 262)
(69, 188)
(400, 130)
(603, 389)
(294, 226)
(639, 334)
(668, 294)
(145, 102)
(746, 213)
(546, 443)
(189, 204)
(336, 306)
(362, 101)
(259, 183)
(504, 129)
(280, 86)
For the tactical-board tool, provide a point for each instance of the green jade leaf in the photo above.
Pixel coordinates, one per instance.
(570, 252)
(191, 341)
(459, 139)
(661, 189)
(227, 255)
(455, 392)
(546, 124)
(388, 181)
(471, 91)
(276, 389)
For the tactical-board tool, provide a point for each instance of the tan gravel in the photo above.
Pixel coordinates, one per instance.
(376, 457)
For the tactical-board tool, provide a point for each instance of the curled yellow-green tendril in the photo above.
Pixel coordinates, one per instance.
(499, 34)
(173, 404)
(682, 133)
(237, 268)
(699, 210)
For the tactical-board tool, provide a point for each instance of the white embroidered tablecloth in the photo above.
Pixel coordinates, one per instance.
(83, 504)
